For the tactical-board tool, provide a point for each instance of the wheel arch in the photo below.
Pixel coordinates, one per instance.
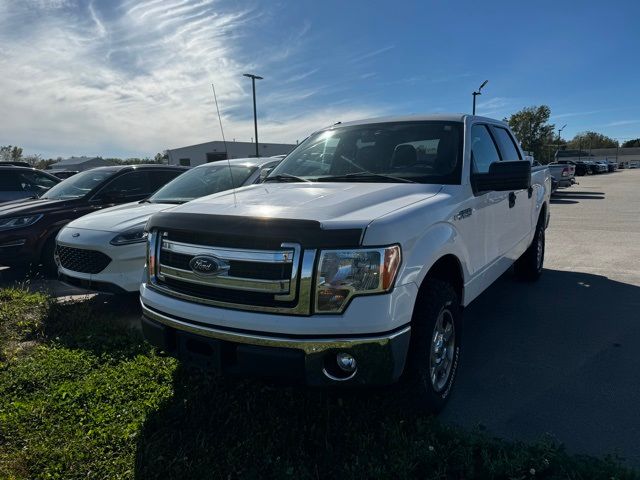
(447, 268)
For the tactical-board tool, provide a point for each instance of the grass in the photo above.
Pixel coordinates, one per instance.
(82, 396)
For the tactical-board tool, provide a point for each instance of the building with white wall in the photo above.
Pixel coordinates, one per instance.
(213, 151)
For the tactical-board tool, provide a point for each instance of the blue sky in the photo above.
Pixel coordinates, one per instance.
(131, 78)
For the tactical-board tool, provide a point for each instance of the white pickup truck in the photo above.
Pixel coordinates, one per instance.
(352, 262)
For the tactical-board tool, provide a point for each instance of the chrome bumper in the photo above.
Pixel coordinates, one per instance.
(380, 358)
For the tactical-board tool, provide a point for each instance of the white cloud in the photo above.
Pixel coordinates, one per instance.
(135, 79)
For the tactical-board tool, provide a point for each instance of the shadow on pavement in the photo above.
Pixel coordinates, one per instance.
(562, 201)
(582, 197)
(580, 192)
(559, 356)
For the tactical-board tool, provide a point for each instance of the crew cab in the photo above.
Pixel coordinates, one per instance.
(352, 262)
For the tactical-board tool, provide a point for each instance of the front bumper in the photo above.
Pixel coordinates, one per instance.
(19, 247)
(380, 358)
(122, 274)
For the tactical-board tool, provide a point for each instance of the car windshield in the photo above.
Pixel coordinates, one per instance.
(78, 185)
(416, 151)
(202, 181)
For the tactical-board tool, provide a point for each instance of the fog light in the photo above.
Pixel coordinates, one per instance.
(346, 362)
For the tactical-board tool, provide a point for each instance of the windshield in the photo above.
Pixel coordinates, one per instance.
(202, 181)
(424, 152)
(78, 185)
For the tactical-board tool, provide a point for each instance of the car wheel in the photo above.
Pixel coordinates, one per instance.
(434, 353)
(529, 265)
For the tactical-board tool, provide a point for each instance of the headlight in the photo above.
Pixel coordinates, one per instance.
(18, 222)
(134, 235)
(343, 274)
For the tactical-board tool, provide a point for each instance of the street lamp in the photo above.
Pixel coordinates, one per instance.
(559, 132)
(255, 117)
(476, 94)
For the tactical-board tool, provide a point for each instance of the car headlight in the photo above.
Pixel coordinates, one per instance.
(133, 235)
(343, 274)
(18, 222)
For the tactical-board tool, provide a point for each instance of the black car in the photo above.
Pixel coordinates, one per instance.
(28, 228)
(17, 182)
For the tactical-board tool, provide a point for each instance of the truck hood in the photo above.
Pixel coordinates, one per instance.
(119, 218)
(337, 205)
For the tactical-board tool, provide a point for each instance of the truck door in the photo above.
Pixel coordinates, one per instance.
(484, 229)
(518, 219)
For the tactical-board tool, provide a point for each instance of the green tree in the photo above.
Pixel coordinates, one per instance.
(161, 157)
(534, 132)
(10, 153)
(587, 140)
(631, 143)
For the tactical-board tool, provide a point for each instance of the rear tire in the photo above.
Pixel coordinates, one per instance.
(434, 353)
(529, 266)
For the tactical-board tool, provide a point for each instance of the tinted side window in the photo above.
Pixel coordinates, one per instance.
(506, 143)
(160, 178)
(38, 180)
(483, 150)
(9, 182)
(128, 185)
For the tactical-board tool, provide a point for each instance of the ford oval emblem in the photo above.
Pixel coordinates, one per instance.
(207, 265)
(75, 235)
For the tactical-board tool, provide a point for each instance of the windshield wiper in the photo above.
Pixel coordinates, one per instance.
(363, 176)
(285, 177)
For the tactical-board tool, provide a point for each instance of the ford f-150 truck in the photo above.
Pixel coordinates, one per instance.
(352, 262)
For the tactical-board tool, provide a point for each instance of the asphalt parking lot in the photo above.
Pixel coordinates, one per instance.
(561, 356)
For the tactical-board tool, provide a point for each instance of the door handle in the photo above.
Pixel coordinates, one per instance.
(512, 199)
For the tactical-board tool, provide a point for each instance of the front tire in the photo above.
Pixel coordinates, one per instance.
(434, 353)
(529, 265)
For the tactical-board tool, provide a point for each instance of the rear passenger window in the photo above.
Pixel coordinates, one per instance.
(9, 182)
(160, 178)
(483, 150)
(506, 143)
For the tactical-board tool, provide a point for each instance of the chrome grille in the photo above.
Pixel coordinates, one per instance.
(253, 279)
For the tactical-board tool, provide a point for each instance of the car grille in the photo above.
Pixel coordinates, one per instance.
(251, 278)
(81, 260)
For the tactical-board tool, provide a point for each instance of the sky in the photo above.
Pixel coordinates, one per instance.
(132, 78)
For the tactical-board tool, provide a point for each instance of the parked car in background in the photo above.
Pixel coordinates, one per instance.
(18, 182)
(105, 251)
(633, 164)
(352, 262)
(602, 166)
(564, 173)
(581, 168)
(612, 166)
(596, 167)
(28, 228)
(64, 173)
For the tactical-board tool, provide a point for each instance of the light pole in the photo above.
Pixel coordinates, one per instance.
(559, 132)
(255, 117)
(475, 94)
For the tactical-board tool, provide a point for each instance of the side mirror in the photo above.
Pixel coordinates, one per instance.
(504, 176)
(264, 174)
